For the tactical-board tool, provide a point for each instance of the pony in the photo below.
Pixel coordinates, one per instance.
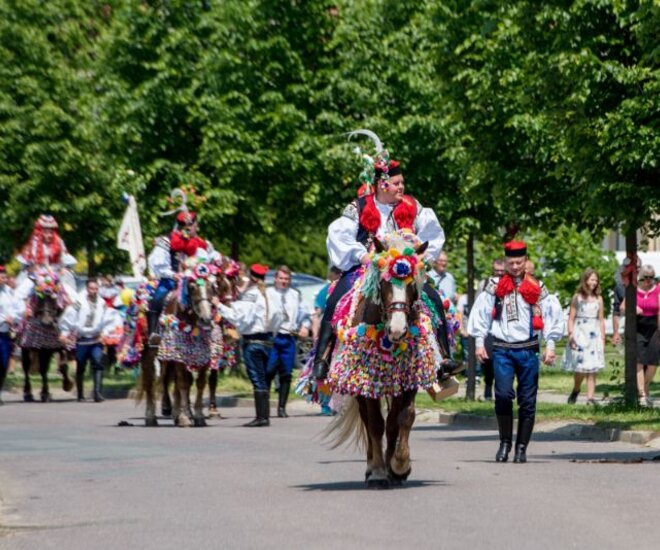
(40, 332)
(185, 346)
(387, 349)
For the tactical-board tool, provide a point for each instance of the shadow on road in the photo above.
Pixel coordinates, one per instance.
(361, 485)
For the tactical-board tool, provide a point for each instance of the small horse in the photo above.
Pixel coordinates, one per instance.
(40, 332)
(185, 345)
(387, 349)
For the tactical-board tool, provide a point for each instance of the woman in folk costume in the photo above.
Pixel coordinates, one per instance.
(169, 253)
(382, 207)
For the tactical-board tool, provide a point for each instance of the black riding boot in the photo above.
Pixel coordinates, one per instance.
(80, 380)
(98, 381)
(152, 326)
(285, 385)
(525, 429)
(323, 351)
(505, 425)
(261, 406)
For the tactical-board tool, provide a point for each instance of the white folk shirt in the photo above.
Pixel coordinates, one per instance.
(346, 252)
(289, 303)
(89, 320)
(250, 314)
(481, 322)
(10, 307)
(160, 260)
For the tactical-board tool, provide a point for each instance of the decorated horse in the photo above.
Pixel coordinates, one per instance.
(387, 349)
(185, 346)
(40, 332)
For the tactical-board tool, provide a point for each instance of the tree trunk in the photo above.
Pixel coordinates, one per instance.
(234, 250)
(91, 262)
(471, 370)
(630, 334)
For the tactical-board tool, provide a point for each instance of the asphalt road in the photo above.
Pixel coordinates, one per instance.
(70, 478)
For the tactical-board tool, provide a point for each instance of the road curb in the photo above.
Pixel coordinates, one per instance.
(570, 429)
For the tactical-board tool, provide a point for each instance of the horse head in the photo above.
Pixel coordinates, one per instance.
(398, 266)
(49, 297)
(197, 287)
(227, 279)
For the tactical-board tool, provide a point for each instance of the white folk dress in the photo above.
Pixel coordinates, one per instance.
(588, 355)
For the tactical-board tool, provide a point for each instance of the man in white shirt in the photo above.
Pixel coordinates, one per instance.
(11, 311)
(516, 310)
(296, 321)
(84, 323)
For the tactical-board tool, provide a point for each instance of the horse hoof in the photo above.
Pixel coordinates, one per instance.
(165, 411)
(67, 385)
(213, 411)
(183, 422)
(150, 422)
(378, 483)
(28, 398)
(199, 422)
(367, 475)
(45, 398)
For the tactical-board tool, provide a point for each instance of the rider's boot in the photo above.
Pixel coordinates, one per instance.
(285, 385)
(505, 426)
(80, 381)
(152, 327)
(525, 429)
(98, 384)
(323, 351)
(261, 405)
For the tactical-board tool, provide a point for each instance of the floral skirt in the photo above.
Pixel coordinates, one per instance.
(34, 335)
(368, 365)
(192, 348)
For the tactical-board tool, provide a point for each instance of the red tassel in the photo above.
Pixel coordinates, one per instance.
(405, 213)
(537, 323)
(493, 313)
(370, 216)
(530, 290)
(505, 286)
(446, 305)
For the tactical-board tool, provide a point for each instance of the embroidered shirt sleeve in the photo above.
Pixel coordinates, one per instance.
(351, 211)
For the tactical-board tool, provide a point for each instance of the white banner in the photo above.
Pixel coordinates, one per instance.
(129, 238)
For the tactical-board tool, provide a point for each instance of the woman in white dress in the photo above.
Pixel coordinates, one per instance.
(585, 351)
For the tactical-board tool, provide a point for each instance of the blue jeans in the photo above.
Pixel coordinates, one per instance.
(6, 346)
(255, 357)
(163, 289)
(524, 365)
(88, 352)
(282, 356)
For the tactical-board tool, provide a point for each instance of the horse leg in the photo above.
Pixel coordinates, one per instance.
(213, 385)
(45, 356)
(166, 376)
(148, 383)
(168, 367)
(392, 431)
(182, 389)
(375, 430)
(399, 465)
(198, 416)
(26, 360)
(362, 406)
(67, 384)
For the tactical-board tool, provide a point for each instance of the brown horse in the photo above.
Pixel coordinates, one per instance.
(185, 346)
(40, 333)
(393, 302)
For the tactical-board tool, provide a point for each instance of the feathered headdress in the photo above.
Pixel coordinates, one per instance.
(376, 168)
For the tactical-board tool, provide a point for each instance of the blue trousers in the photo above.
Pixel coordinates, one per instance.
(162, 290)
(88, 352)
(255, 357)
(524, 366)
(6, 346)
(283, 356)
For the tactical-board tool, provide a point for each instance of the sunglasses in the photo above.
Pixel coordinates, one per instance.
(647, 278)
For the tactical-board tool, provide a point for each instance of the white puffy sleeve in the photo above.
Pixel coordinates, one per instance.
(112, 320)
(343, 248)
(481, 318)
(67, 321)
(429, 229)
(553, 320)
(68, 260)
(240, 314)
(159, 261)
(17, 306)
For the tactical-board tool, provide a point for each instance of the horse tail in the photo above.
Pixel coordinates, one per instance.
(347, 427)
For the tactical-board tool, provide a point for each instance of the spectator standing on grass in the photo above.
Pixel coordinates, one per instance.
(585, 349)
(11, 311)
(444, 281)
(648, 336)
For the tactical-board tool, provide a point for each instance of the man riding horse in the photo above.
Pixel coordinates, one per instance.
(166, 258)
(382, 208)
